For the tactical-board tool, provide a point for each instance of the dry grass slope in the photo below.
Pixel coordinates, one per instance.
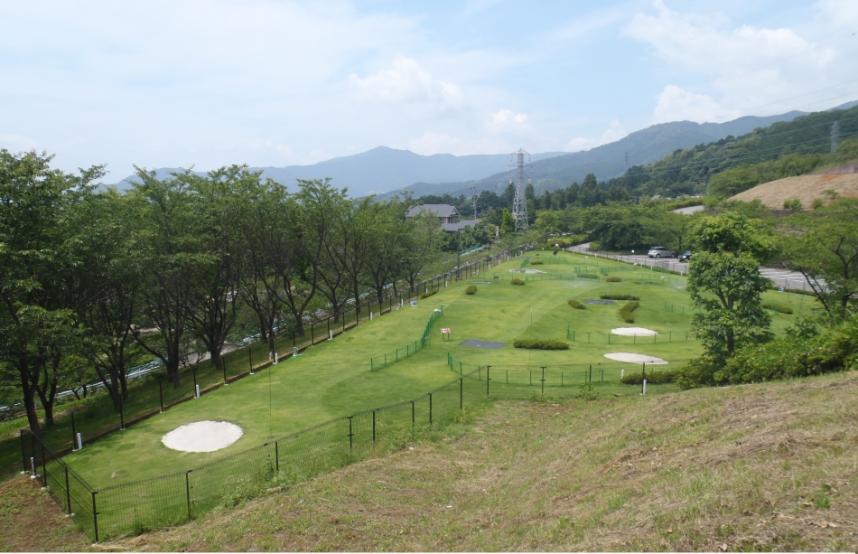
(754, 467)
(806, 188)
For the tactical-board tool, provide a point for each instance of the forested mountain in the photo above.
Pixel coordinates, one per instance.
(381, 170)
(780, 150)
(613, 159)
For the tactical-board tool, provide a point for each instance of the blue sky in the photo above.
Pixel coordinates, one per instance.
(169, 83)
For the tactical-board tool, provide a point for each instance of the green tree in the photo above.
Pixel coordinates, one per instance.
(725, 285)
(823, 246)
(37, 324)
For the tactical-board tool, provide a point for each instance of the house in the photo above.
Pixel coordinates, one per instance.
(444, 212)
(447, 215)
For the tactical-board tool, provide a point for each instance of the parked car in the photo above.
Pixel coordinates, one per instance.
(685, 256)
(659, 252)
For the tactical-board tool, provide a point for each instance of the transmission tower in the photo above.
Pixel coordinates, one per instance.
(519, 202)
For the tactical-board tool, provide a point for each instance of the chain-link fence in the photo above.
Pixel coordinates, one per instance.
(402, 352)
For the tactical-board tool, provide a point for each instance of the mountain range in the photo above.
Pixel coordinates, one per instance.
(387, 172)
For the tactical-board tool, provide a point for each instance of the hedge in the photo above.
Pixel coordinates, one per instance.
(627, 311)
(653, 378)
(517, 281)
(577, 305)
(471, 289)
(541, 344)
(777, 307)
(428, 294)
(613, 279)
(619, 297)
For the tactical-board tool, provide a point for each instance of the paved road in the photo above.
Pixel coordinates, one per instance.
(782, 278)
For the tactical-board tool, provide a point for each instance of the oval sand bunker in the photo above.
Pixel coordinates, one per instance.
(202, 436)
(633, 331)
(631, 357)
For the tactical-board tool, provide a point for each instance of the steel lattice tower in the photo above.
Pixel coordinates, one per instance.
(519, 202)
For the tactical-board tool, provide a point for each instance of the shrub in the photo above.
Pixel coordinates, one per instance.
(471, 289)
(517, 281)
(777, 307)
(577, 305)
(537, 262)
(652, 378)
(792, 204)
(619, 297)
(627, 311)
(613, 279)
(541, 344)
(587, 276)
(428, 294)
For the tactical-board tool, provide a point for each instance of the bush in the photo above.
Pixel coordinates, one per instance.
(471, 289)
(777, 307)
(577, 305)
(428, 294)
(517, 281)
(619, 297)
(587, 276)
(652, 378)
(613, 279)
(537, 262)
(541, 344)
(627, 311)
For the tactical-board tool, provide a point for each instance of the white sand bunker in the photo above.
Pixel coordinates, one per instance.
(633, 332)
(634, 358)
(202, 436)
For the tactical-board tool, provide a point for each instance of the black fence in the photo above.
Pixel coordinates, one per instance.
(137, 506)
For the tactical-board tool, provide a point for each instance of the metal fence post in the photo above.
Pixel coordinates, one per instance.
(121, 412)
(223, 367)
(413, 417)
(373, 427)
(461, 393)
(276, 457)
(21, 434)
(44, 465)
(188, 491)
(194, 372)
(351, 433)
(94, 516)
(430, 408)
(74, 431)
(68, 492)
(542, 379)
(161, 392)
(488, 379)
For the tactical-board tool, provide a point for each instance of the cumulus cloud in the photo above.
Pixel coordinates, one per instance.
(677, 104)
(506, 120)
(406, 81)
(614, 132)
(748, 68)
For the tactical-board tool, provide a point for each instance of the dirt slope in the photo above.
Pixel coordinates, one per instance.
(806, 188)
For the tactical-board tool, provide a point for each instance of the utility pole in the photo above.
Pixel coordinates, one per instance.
(519, 202)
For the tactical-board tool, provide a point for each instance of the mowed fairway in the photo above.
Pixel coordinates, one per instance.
(334, 379)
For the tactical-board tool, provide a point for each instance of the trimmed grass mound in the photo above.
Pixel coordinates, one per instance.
(541, 344)
(628, 309)
(619, 297)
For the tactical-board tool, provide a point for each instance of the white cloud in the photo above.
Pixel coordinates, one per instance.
(677, 104)
(406, 81)
(507, 120)
(750, 69)
(614, 132)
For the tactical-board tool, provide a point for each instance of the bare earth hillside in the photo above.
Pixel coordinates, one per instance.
(753, 467)
(806, 188)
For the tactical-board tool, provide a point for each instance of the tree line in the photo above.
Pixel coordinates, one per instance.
(90, 280)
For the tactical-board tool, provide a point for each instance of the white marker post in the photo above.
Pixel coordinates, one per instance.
(643, 390)
(622, 373)
(32, 467)
(79, 441)
(196, 391)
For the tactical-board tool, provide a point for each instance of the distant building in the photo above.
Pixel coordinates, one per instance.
(444, 212)
(447, 215)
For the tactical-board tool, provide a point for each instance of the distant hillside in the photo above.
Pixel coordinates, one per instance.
(382, 169)
(613, 159)
(804, 188)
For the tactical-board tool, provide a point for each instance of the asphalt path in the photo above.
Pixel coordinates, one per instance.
(782, 278)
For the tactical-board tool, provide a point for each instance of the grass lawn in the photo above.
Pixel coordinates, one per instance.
(334, 379)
